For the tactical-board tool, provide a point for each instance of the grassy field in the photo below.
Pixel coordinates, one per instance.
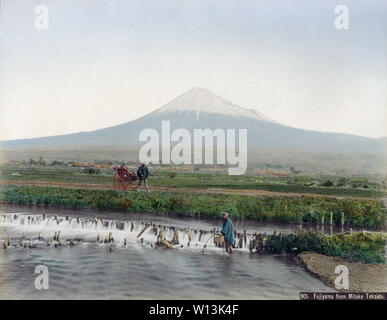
(334, 186)
(306, 210)
(358, 198)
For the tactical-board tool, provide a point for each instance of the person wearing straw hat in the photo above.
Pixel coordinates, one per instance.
(228, 232)
(124, 165)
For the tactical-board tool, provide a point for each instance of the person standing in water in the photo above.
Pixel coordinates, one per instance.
(142, 174)
(228, 232)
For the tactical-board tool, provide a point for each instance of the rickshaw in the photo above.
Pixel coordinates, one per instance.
(123, 178)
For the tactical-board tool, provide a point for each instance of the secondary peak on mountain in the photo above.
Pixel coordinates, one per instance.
(204, 101)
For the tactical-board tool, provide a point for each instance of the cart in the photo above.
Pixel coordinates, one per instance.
(123, 178)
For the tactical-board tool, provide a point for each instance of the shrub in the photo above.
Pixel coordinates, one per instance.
(358, 246)
(341, 182)
(126, 203)
(91, 170)
(367, 213)
(327, 183)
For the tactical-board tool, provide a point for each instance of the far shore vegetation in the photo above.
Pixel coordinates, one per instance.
(365, 213)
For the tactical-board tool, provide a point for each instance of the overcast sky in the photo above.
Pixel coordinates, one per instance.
(105, 62)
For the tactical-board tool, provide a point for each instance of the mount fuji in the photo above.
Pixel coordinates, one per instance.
(200, 109)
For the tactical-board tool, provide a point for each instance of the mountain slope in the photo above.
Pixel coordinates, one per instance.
(200, 108)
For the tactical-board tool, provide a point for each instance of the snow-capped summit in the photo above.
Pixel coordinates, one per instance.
(204, 101)
(202, 109)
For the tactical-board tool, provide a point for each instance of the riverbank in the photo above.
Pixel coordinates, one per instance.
(363, 277)
(257, 237)
(222, 189)
(305, 210)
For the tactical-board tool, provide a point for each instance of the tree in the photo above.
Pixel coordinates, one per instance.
(327, 183)
(41, 161)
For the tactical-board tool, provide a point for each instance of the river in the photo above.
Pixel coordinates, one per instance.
(134, 268)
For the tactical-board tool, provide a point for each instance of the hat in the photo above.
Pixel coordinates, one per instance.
(225, 213)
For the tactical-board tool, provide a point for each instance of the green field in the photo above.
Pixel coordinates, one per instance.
(307, 210)
(333, 186)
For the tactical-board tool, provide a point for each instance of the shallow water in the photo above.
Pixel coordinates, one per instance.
(90, 270)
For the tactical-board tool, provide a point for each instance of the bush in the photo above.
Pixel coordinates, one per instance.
(327, 183)
(91, 170)
(366, 213)
(341, 182)
(358, 246)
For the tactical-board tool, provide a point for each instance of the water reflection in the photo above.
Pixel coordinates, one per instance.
(91, 270)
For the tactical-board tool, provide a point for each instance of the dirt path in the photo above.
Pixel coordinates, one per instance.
(363, 277)
(246, 192)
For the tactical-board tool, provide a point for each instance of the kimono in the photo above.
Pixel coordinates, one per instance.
(228, 231)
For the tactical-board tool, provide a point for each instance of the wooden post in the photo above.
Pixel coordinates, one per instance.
(331, 222)
(175, 236)
(165, 243)
(342, 218)
(142, 231)
(189, 235)
(342, 222)
(240, 244)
